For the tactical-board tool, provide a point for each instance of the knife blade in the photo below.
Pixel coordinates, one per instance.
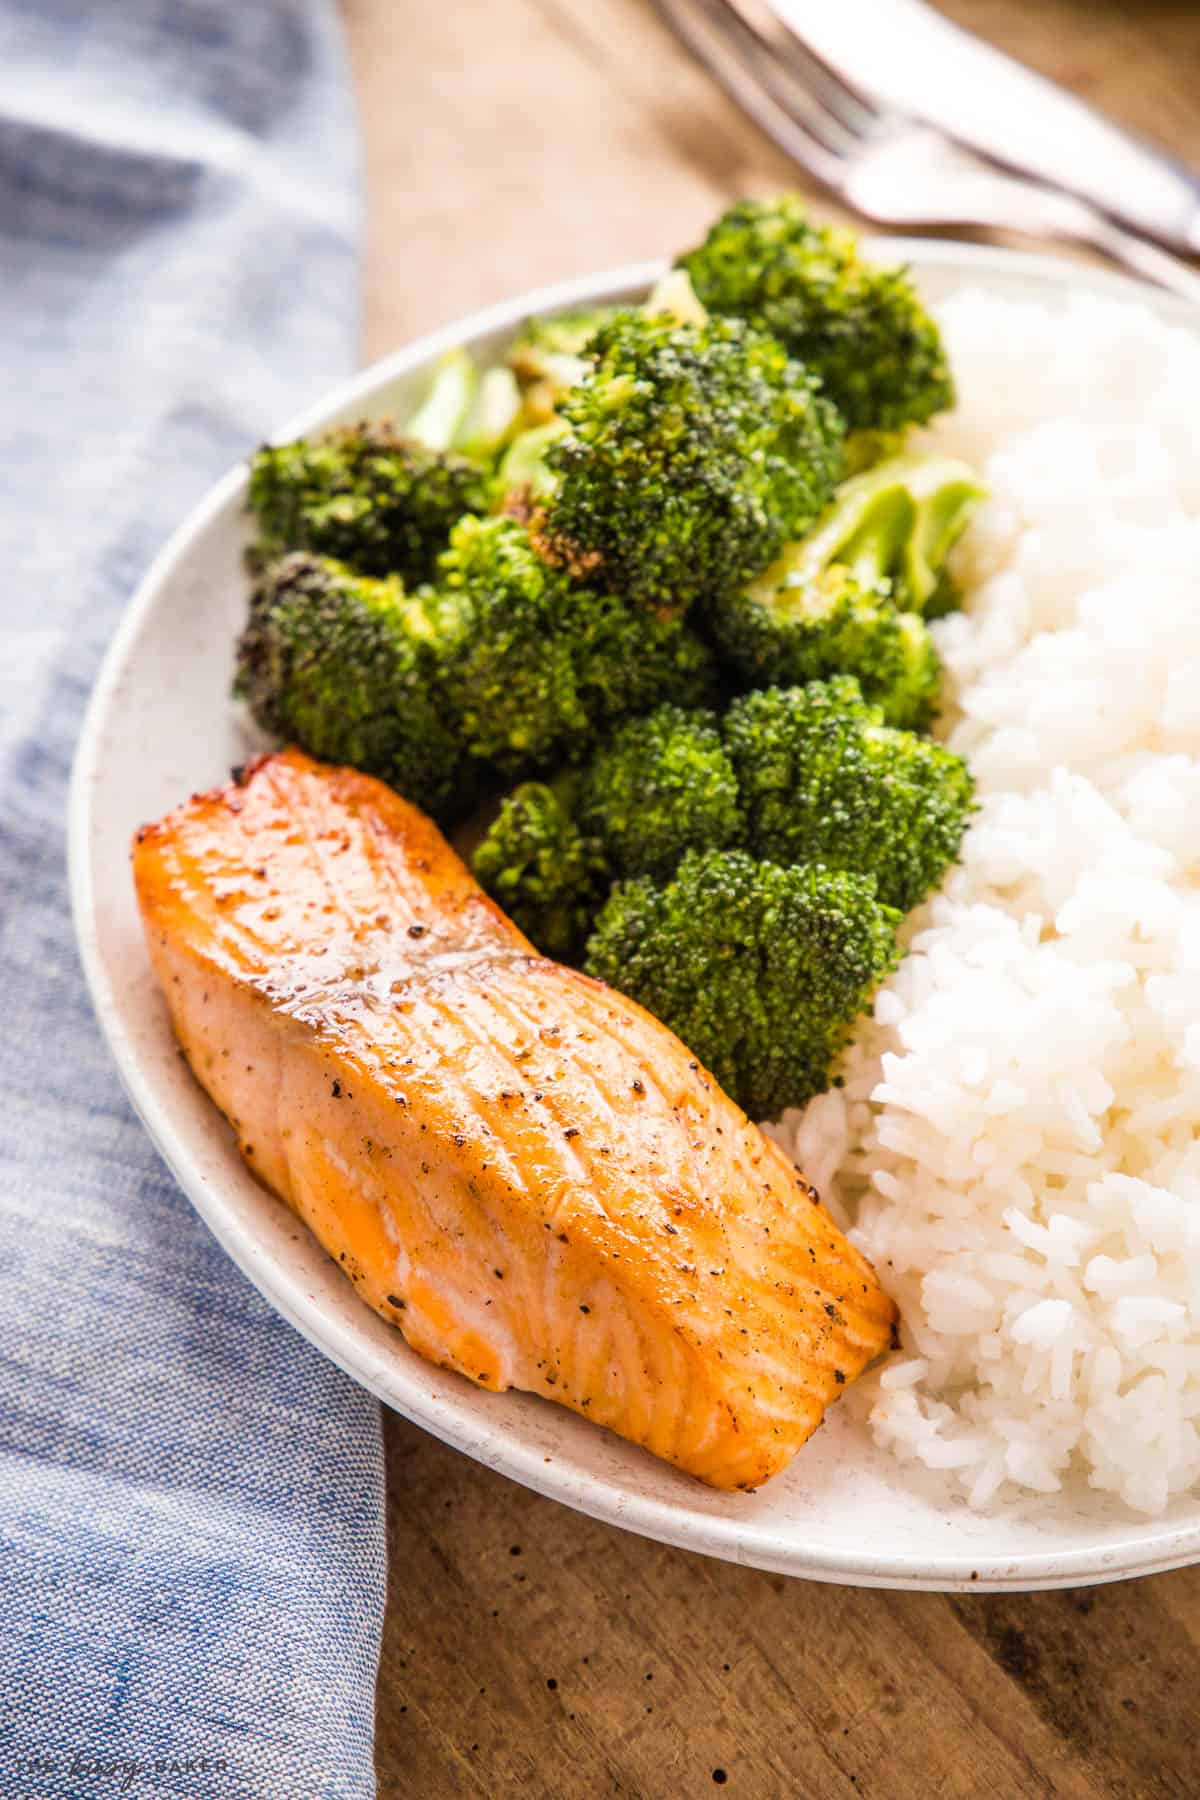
(906, 56)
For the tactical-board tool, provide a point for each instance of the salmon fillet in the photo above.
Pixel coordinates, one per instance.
(519, 1167)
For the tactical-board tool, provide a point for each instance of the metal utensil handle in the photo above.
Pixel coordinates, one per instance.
(1014, 204)
(911, 58)
(1145, 259)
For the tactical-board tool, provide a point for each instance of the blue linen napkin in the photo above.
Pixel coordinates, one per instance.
(191, 1523)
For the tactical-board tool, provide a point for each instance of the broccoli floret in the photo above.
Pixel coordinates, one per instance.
(542, 665)
(663, 784)
(660, 785)
(859, 326)
(505, 663)
(546, 873)
(694, 452)
(629, 658)
(781, 629)
(761, 970)
(511, 684)
(546, 358)
(897, 522)
(555, 334)
(866, 449)
(846, 598)
(547, 353)
(822, 779)
(347, 666)
(382, 503)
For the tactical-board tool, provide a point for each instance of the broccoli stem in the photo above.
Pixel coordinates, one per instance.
(523, 466)
(865, 533)
(443, 413)
(946, 493)
(674, 294)
(493, 416)
(895, 522)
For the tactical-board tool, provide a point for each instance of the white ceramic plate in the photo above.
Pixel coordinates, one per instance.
(160, 726)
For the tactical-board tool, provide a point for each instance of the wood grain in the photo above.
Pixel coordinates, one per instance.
(529, 1650)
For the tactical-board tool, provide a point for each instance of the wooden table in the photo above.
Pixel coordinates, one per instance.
(528, 1650)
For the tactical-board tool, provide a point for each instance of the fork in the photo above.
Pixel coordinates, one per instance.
(884, 165)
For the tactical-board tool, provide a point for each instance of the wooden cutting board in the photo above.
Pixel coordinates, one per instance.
(528, 1650)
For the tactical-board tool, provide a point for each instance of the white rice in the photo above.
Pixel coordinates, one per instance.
(1018, 1143)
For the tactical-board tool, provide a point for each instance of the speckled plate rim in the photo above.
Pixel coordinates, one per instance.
(426, 1395)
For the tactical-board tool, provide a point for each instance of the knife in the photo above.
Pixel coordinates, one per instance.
(906, 56)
